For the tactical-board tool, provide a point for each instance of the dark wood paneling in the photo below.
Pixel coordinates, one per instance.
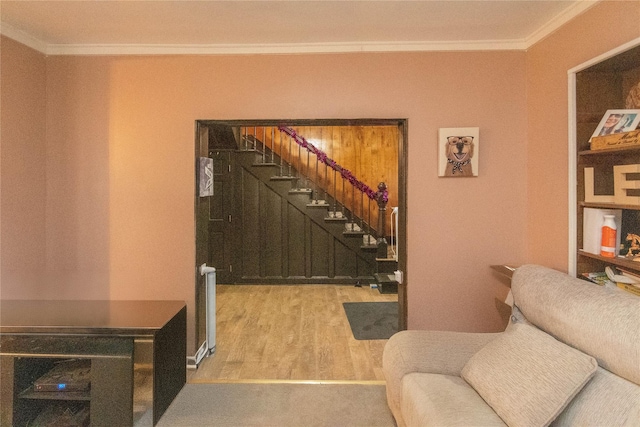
(296, 249)
(272, 235)
(345, 259)
(250, 223)
(283, 239)
(319, 251)
(217, 256)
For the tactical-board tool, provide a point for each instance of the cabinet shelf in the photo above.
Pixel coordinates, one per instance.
(620, 262)
(30, 393)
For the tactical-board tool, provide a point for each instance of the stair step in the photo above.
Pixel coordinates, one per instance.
(318, 204)
(386, 283)
(335, 219)
(369, 240)
(300, 191)
(283, 178)
(352, 226)
(265, 164)
(369, 243)
(386, 265)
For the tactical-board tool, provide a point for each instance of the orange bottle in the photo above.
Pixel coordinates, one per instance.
(609, 230)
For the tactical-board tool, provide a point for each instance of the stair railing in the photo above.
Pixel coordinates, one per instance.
(343, 205)
(381, 196)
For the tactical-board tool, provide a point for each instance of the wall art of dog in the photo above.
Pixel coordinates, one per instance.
(458, 152)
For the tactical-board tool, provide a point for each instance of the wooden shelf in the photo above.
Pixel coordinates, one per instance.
(608, 206)
(621, 262)
(620, 150)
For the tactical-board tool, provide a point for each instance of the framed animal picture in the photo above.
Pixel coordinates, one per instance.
(458, 150)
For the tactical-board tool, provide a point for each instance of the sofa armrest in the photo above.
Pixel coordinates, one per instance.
(437, 352)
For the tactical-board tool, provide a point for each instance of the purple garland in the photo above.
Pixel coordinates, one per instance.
(346, 174)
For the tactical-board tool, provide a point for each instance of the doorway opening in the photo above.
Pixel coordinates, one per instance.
(302, 202)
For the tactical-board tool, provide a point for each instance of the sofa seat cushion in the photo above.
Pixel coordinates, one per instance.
(443, 400)
(527, 376)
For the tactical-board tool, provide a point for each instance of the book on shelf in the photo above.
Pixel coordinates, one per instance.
(599, 278)
(602, 279)
(635, 275)
(630, 288)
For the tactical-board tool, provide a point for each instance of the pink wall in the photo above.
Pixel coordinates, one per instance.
(22, 162)
(119, 160)
(602, 28)
(120, 136)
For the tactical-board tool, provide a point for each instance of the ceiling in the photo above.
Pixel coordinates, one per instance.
(285, 26)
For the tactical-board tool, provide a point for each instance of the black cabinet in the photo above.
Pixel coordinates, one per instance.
(36, 336)
(107, 401)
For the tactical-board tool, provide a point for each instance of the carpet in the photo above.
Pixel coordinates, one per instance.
(279, 404)
(372, 320)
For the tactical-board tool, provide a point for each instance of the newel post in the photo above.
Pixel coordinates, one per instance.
(382, 199)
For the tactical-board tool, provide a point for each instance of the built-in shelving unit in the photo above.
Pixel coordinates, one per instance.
(602, 85)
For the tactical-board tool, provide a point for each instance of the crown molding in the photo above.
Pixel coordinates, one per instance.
(559, 20)
(297, 48)
(22, 37)
(294, 48)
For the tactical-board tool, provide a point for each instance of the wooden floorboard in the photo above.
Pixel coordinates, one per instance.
(290, 332)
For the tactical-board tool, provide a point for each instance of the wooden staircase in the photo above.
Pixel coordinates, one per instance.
(354, 254)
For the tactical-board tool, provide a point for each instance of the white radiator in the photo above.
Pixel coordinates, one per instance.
(208, 347)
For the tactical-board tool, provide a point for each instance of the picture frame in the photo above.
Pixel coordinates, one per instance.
(205, 177)
(458, 152)
(617, 121)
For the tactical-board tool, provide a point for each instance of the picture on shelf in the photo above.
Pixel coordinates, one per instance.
(617, 121)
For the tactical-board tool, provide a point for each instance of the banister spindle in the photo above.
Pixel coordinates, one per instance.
(344, 198)
(281, 148)
(362, 210)
(335, 192)
(255, 137)
(290, 156)
(369, 217)
(308, 169)
(273, 141)
(318, 186)
(353, 202)
(264, 147)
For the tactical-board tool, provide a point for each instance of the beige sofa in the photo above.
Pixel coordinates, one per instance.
(569, 357)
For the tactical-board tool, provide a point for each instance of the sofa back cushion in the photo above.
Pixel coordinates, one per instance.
(601, 322)
(606, 400)
(527, 376)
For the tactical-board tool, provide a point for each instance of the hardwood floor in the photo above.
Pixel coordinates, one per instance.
(290, 332)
